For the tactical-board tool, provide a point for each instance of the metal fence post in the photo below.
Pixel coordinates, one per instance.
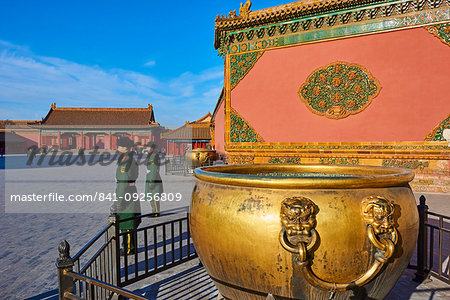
(112, 260)
(422, 241)
(166, 166)
(64, 263)
(117, 249)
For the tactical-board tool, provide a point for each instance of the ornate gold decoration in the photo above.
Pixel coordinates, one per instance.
(405, 163)
(441, 31)
(339, 161)
(241, 64)
(199, 156)
(357, 18)
(284, 160)
(212, 130)
(338, 90)
(437, 133)
(407, 150)
(298, 219)
(298, 215)
(241, 130)
(378, 215)
(241, 159)
(244, 10)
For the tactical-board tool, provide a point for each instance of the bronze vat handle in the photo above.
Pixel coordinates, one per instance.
(298, 218)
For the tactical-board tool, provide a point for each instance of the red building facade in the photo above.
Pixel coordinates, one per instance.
(338, 83)
(191, 135)
(70, 128)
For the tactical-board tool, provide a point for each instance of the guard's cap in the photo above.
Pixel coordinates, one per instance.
(125, 142)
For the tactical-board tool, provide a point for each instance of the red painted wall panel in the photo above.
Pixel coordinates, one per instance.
(412, 66)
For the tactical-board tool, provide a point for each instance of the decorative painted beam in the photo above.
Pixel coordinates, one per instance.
(377, 18)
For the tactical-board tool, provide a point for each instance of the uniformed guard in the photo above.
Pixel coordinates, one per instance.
(127, 204)
(153, 181)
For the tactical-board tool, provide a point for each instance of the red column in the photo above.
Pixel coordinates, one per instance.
(59, 140)
(106, 141)
(88, 142)
(114, 142)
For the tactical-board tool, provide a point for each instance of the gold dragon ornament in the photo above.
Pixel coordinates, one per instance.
(244, 10)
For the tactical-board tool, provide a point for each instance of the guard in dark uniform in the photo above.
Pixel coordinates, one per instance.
(127, 204)
(153, 181)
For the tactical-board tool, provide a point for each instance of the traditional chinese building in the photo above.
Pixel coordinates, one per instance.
(191, 135)
(75, 127)
(338, 82)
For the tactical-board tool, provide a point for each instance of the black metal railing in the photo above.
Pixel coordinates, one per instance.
(99, 269)
(158, 247)
(176, 165)
(95, 260)
(92, 285)
(179, 165)
(432, 245)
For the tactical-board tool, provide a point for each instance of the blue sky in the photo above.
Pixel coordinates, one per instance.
(111, 54)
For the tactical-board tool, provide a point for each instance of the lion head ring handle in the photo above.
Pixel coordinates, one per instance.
(298, 236)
